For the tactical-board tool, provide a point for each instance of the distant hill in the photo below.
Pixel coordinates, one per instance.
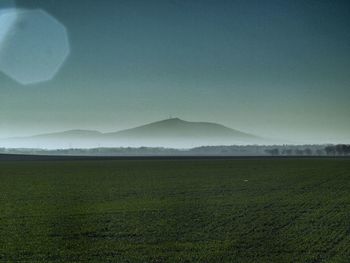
(70, 134)
(177, 128)
(172, 132)
(179, 133)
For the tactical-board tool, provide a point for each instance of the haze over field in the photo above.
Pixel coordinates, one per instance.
(274, 69)
(174, 133)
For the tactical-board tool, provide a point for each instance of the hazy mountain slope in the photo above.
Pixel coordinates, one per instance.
(177, 128)
(71, 134)
(173, 132)
(65, 139)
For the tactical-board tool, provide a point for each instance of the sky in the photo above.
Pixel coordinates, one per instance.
(279, 69)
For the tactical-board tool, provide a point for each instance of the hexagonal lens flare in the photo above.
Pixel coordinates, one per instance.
(33, 45)
(7, 18)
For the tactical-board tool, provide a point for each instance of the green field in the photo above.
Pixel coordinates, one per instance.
(262, 210)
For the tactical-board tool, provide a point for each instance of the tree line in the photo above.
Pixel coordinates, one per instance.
(233, 150)
(329, 150)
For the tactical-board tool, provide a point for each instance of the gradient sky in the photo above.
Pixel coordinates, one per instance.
(274, 68)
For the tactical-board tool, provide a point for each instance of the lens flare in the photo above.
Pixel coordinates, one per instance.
(33, 45)
(7, 18)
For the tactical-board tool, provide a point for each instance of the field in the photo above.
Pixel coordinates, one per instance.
(238, 210)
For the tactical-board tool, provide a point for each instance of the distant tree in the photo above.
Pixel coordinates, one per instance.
(308, 151)
(286, 151)
(273, 152)
(342, 149)
(319, 152)
(299, 152)
(289, 152)
(330, 150)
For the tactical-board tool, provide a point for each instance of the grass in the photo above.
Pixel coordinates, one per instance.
(267, 210)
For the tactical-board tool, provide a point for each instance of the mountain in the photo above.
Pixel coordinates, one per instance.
(70, 134)
(177, 128)
(172, 132)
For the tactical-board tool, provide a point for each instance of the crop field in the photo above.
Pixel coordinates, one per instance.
(235, 210)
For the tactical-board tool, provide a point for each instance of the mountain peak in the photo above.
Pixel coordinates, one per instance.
(171, 132)
(177, 128)
(172, 119)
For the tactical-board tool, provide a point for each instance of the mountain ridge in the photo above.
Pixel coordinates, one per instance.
(178, 127)
(163, 133)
